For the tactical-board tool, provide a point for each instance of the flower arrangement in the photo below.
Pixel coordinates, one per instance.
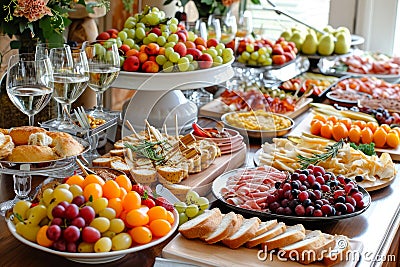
(207, 7)
(44, 20)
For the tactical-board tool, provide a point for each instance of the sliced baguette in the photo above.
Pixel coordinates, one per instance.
(317, 254)
(224, 229)
(266, 226)
(276, 230)
(171, 174)
(292, 235)
(201, 225)
(144, 176)
(117, 152)
(121, 166)
(338, 252)
(102, 162)
(246, 232)
(313, 240)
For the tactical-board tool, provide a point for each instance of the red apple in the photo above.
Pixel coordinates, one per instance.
(196, 53)
(157, 31)
(185, 32)
(205, 61)
(277, 50)
(143, 57)
(152, 49)
(112, 31)
(289, 56)
(131, 63)
(180, 48)
(278, 59)
(231, 45)
(103, 36)
(190, 44)
(150, 67)
(124, 48)
(200, 41)
(212, 42)
(182, 36)
(201, 47)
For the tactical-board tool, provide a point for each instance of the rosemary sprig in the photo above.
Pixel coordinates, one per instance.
(331, 151)
(150, 150)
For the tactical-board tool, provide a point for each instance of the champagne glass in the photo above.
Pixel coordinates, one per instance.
(104, 66)
(43, 49)
(70, 78)
(214, 27)
(27, 83)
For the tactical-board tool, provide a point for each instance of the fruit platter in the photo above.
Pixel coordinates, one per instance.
(89, 219)
(307, 194)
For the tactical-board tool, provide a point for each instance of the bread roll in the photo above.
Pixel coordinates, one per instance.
(4, 131)
(40, 139)
(6, 145)
(67, 147)
(31, 153)
(20, 135)
(54, 135)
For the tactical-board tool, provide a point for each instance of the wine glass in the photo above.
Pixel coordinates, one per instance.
(70, 78)
(214, 27)
(27, 83)
(104, 66)
(245, 25)
(223, 28)
(43, 49)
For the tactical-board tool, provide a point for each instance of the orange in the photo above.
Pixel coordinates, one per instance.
(316, 127)
(170, 217)
(41, 237)
(326, 131)
(92, 178)
(366, 135)
(75, 179)
(397, 130)
(380, 137)
(386, 127)
(372, 125)
(131, 201)
(392, 139)
(122, 193)
(93, 191)
(355, 134)
(115, 204)
(347, 122)
(141, 234)
(136, 217)
(157, 212)
(160, 227)
(333, 119)
(124, 181)
(111, 189)
(360, 124)
(319, 117)
(339, 131)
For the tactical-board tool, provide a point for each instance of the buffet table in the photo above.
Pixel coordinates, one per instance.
(377, 229)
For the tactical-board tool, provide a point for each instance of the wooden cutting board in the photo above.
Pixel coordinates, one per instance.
(201, 182)
(199, 253)
(217, 108)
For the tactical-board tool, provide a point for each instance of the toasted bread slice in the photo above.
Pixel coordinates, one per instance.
(246, 232)
(338, 252)
(276, 230)
(292, 235)
(224, 229)
(201, 225)
(266, 226)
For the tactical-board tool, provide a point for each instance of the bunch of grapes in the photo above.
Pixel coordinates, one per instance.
(316, 193)
(193, 206)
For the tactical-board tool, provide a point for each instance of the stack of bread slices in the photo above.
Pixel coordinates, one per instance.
(292, 242)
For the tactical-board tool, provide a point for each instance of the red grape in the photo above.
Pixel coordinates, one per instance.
(71, 247)
(87, 213)
(71, 211)
(90, 234)
(78, 222)
(58, 211)
(78, 200)
(53, 232)
(71, 233)
(60, 245)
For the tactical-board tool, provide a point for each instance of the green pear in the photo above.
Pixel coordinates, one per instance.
(310, 44)
(298, 39)
(342, 29)
(326, 45)
(328, 29)
(287, 35)
(342, 44)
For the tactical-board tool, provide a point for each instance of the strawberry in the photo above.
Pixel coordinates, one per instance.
(160, 201)
(139, 189)
(148, 202)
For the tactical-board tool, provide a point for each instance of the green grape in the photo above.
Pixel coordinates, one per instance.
(161, 40)
(212, 52)
(194, 64)
(146, 40)
(121, 241)
(217, 61)
(116, 225)
(183, 218)
(104, 244)
(161, 59)
(252, 62)
(130, 24)
(180, 206)
(267, 62)
(245, 55)
(168, 66)
(109, 213)
(168, 51)
(123, 35)
(129, 42)
(153, 18)
(170, 45)
(109, 234)
(99, 49)
(153, 37)
(47, 196)
(183, 64)
(254, 55)
(250, 48)
(131, 33)
(174, 21)
(174, 57)
(101, 223)
(173, 27)
(190, 57)
(99, 204)
(192, 210)
(66, 186)
(140, 25)
(21, 208)
(173, 38)
(262, 58)
(203, 203)
(62, 194)
(200, 212)
(85, 247)
(220, 46)
(191, 197)
(191, 36)
(76, 190)
(140, 33)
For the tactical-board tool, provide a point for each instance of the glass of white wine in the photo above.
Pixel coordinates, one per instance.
(70, 78)
(27, 83)
(104, 66)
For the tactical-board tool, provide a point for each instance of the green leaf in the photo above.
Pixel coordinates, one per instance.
(184, 2)
(207, 2)
(15, 44)
(256, 2)
(167, 2)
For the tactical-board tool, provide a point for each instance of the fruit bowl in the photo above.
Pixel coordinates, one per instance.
(94, 258)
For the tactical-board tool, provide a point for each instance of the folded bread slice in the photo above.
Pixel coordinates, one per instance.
(246, 232)
(201, 225)
(291, 235)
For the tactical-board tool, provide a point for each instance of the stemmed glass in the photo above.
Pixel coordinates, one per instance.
(43, 49)
(223, 28)
(27, 83)
(104, 66)
(70, 78)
